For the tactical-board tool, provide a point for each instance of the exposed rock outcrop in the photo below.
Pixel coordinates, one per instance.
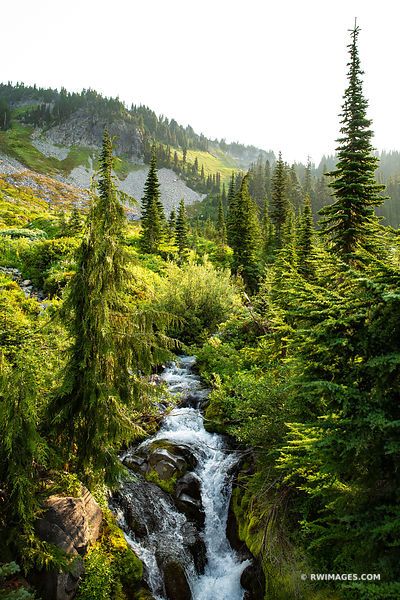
(71, 524)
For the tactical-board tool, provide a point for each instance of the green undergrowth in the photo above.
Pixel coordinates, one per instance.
(262, 530)
(112, 569)
(168, 485)
(19, 206)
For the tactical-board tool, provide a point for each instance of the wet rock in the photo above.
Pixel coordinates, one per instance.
(192, 509)
(177, 450)
(175, 581)
(135, 463)
(189, 484)
(196, 546)
(166, 464)
(253, 582)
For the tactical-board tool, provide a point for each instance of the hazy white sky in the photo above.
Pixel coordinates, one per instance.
(264, 72)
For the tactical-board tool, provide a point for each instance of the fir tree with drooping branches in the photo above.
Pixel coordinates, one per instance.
(172, 223)
(91, 410)
(350, 222)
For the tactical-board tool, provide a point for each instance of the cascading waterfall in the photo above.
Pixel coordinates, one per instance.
(158, 531)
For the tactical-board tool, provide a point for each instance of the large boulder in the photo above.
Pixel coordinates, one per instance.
(188, 498)
(253, 582)
(71, 524)
(175, 581)
(165, 458)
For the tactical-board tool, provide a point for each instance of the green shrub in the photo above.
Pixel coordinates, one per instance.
(199, 296)
(98, 581)
(31, 234)
(9, 570)
(40, 256)
(112, 569)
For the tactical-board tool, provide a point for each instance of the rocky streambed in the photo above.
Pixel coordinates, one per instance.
(174, 509)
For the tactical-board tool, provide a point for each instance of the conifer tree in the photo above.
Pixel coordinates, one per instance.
(231, 200)
(153, 217)
(305, 238)
(307, 184)
(75, 223)
(221, 226)
(267, 234)
(279, 202)
(182, 231)
(294, 191)
(223, 195)
(350, 222)
(246, 237)
(91, 409)
(172, 223)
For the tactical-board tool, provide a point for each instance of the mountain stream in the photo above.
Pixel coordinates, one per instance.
(179, 529)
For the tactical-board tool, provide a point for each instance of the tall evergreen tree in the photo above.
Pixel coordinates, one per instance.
(246, 237)
(294, 191)
(350, 222)
(153, 217)
(172, 223)
(221, 226)
(91, 410)
(182, 231)
(305, 238)
(231, 200)
(267, 234)
(279, 202)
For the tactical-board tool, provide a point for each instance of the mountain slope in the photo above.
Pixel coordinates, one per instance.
(59, 134)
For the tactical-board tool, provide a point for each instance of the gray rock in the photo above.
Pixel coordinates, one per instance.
(78, 518)
(175, 581)
(189, 484)
(71, 524)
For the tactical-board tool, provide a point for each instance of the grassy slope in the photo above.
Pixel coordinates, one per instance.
(213, 162)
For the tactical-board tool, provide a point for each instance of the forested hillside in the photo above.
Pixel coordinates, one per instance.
(283, 282)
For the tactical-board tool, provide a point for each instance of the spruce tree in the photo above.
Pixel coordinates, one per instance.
(305, 239)
(90, 412)
(246, 237)
(350, 222)
(231, 200)
(172, 223)
(182, 231)
(75, 222)
(153, 217)
(279, 202)
(267, 234)
(221, 227)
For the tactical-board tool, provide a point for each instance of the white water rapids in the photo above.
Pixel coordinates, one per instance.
(220, 579)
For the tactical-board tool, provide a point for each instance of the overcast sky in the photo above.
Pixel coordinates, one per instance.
(262, 72)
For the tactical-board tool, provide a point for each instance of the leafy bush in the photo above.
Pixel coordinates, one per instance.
(40, 256)
(112, 569)
(31, 234)
(98, 580)
(200, 296)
